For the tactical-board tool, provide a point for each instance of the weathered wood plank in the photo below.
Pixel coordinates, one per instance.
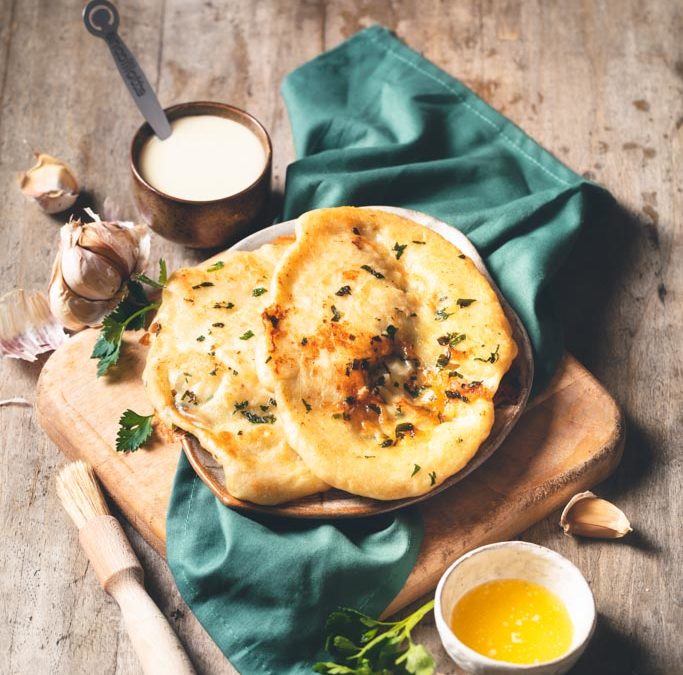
(55, 98)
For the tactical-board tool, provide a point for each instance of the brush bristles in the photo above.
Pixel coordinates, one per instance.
(80, 493)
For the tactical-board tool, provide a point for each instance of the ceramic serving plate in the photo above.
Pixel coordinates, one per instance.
(509, 404)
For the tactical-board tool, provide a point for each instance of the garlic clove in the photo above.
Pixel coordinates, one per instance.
(91, 269)
(587, 515)
(125, 245)
(90, 275)
(73, 310)
(27, 328)
(51, 183)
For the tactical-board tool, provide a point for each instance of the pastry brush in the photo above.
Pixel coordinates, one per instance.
(119, 572)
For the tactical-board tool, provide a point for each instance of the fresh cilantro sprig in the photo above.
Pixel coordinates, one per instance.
(134, 430)
(163, 276)
(129, 314)
(361, 645)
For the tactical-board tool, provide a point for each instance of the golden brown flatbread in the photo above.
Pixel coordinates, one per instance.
(201, 374)
(386, 348)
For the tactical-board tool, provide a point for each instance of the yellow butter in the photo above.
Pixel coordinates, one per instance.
(513, 620)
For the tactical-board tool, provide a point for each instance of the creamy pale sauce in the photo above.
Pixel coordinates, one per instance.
(206, 157)
(513, 620)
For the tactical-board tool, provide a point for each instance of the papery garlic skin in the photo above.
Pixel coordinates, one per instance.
(89, 273)
(587, 515)
(94, 262)
(75, 312)
(27, 328)
(51, 183)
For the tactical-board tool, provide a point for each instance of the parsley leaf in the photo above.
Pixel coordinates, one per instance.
(344, 290)
(493, 357)
(307, 405)
(413, 390)
(370, 270)
(451, 339)
(336, 314)
(105, 351)
(218, 265)
(361, 645)
(241, 406)
(129, 314)
(163, 276)
(247, 335)
(432, 477)
(258, 419)
(163, 272)
(443, 361)
(133, 301)
(259, 291)
(204, 284)
(399, 248)
(454, 394)
(418, 660)
(415, 470)
(134, 430)
(464, 302)
(404, 428)
(442, 315)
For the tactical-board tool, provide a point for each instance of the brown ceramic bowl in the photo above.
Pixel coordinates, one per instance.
(202, 224)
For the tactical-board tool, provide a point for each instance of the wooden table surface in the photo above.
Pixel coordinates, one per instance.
(600, 84)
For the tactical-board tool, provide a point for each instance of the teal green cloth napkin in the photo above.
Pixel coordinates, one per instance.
(374, 123)
(262, 587)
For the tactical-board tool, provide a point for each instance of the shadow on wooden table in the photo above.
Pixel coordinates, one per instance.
(602, 285)
(611, 650)
(613, 272)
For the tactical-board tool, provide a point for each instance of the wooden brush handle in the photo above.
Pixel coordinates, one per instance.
(120, 573)
(154, 641)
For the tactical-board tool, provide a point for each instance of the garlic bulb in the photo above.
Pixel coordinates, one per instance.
(27, 328)
(51, 183)
(589, 516)
(91, 269)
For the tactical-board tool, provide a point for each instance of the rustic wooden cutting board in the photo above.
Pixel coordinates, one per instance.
(569, 438)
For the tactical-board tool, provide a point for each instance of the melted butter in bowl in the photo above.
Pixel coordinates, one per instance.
(513, 620)
(512, 608)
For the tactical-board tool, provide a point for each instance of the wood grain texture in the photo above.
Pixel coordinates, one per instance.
(600, 84)
(121, 575)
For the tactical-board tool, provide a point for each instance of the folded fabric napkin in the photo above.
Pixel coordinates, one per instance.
(375, 123)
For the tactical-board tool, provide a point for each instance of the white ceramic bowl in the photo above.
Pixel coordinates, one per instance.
(515, 560)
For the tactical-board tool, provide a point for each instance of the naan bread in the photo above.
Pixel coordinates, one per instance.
(201, 374)
(387, 346)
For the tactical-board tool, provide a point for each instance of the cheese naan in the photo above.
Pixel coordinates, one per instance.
(387, 346)
(201, 374)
